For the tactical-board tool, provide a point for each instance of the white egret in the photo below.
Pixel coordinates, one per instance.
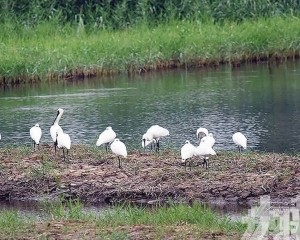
(187, 152)
(64, 142)
(146, 142)
(209, 139)
(118, 148)
(106, 137)
(55, 127)
(0, 136)
(240, 140)
(35, 134)
(204, 149)
(201, 132)
(155, 132)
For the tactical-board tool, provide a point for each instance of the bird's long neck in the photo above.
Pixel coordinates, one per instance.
(58, 117)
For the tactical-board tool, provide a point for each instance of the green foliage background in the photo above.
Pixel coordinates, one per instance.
(116, 14)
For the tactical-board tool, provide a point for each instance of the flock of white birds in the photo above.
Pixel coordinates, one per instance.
(151, 137)
(205, 148)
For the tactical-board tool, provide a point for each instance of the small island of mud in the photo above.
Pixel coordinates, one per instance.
(93, 176)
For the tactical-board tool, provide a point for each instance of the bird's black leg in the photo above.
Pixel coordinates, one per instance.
(106, 147)
(119, 162)
(190, 166)
(157, 146)
(185, 165)
(204, 163)
(64, 154)
(68, 155)
(55, 145)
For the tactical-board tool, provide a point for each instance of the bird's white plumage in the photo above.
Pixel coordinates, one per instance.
(107, 136)
(187, 151)
(55, 127)
(118, 148)
(63, 140)
(146, 142)
(0, 136)
(36, 133)
(155, 132)
(202, 132)
(240, 140)
(209, 139)
(204, 149)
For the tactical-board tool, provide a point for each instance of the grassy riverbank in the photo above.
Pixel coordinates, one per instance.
(69, 221)
(50, 50)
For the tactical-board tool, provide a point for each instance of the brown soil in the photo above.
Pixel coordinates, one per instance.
(94, 176)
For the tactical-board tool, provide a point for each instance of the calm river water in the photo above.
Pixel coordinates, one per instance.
(262, 102)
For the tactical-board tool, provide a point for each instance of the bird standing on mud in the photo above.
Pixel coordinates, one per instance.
(63, 141)
(155, 132)
(187, 152)
(106, 137)
(205, 150)
(146, 142)
(240, 140)
(118, 148)
(55, 127)
(35, 134)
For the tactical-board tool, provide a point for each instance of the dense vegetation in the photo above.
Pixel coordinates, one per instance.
(65, 39)
(113, 14)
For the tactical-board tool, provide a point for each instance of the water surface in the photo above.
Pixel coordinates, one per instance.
(259, 100)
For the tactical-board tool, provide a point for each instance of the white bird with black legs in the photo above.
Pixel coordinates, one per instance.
(205, 150)
(106, 137)
(201, 132)
(64, 142)
(240, 140)
(119, 149)
(155, 132)
(55, 127)
(187, 152)
(146, 142)
(35, 134)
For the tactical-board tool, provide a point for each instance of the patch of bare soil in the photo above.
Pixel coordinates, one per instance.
(94, 176)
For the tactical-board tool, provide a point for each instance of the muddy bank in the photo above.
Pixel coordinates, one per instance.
(93, 176)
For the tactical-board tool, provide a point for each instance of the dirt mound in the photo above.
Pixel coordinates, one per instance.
(93, 176)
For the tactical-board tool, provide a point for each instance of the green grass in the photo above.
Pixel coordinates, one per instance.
(12, 223)
(66, 210)
(50, 50)
(195, 213)
(115, 222)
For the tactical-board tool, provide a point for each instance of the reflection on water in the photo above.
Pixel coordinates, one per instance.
(259, 100)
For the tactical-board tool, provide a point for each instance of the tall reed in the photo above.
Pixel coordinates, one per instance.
(51, 50)
(106, 14)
